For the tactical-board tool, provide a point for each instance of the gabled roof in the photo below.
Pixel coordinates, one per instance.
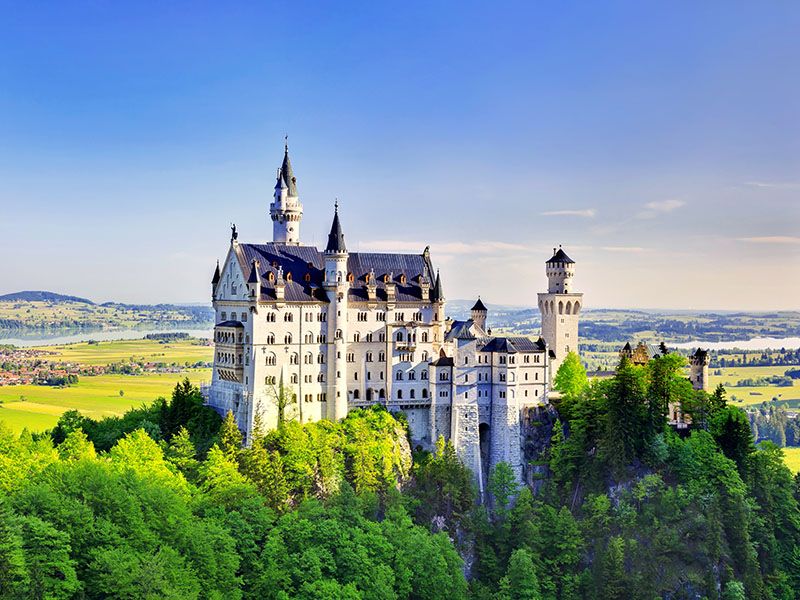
(460, 330)
(512, 345)
(443, 361)
(559, 256)
(307, 262)
(479, 305)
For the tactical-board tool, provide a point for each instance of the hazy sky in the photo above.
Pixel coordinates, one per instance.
(659, 143)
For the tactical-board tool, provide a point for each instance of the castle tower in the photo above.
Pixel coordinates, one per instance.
(698, 369)
(478, 314)
(336, 286)
(285, 210)
(560, 308)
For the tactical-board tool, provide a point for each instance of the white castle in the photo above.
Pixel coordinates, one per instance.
(338, 330)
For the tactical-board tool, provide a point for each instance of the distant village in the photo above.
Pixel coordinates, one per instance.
(34, 366)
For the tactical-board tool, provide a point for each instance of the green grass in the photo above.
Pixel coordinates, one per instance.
(791, 456)
(104, 353)
(95, 397)
(754, 395)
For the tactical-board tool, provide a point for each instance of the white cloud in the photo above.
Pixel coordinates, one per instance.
(772, 239)
(632, 249)
(779, 185)
(660, 207)
(479, 247)
(586, 213)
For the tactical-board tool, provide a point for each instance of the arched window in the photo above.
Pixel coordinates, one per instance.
(424, 393)
(294, 378)
(271, 359)
(399, 394)
(307, 277)
(411, 394)
(287, 339)
(399, 376)
(569, 308)
(293, 358)
(356, 394)
(350, 278)
(309, 359)
(424, 337)
(369, 395)
(271, 338)
(560, 307)
(338, 334)
(382, 394)
(399, 336)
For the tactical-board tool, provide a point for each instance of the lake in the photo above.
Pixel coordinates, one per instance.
(753, 344)
(62, 337)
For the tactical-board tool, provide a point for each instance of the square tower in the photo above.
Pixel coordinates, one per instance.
(560, 308)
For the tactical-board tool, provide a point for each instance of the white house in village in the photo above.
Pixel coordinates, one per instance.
(344, 329)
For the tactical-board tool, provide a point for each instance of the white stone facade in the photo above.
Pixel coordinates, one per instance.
(340, 330)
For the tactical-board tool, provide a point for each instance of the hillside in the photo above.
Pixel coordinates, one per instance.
(621, 325)
(31, 311)
(41, 296)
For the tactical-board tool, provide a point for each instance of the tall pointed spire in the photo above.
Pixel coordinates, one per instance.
(286, 170)
(336, 237)
(437, 288)
(215, 279)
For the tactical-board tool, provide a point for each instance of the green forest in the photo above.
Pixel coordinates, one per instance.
(166, 502)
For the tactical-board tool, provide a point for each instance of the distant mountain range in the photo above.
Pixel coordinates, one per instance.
(46, 311)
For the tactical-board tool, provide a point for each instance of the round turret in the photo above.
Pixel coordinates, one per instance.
(560, 270)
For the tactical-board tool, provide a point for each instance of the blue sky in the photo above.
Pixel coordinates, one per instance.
(658, 142)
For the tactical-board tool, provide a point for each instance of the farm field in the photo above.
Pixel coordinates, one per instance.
(791, 457)
(754, 395)
(39, 407)
(105, 353)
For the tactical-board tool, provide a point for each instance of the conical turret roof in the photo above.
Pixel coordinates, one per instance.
(336, 236)
(287, 174)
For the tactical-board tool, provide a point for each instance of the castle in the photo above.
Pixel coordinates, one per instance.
(337, 330)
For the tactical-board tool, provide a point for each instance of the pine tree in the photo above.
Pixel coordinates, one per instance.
(520, 581)
(571, 379)
(503, 486)
(230, 438)
(611, 582)
(181, 452)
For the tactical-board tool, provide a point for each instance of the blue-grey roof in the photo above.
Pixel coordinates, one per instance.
(479, 305)
(306, 262)
(287, 174)
(336, 236)
(460, 330)
(511, 345)
(230, 324)
(560, 257)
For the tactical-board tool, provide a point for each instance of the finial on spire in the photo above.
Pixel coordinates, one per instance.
(286, 143)
(336, 205)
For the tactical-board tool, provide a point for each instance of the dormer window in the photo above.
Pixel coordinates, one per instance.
(385, 279)
(289, 276)
(403, 279)
(271, 277)
(350, 278)
(307, 277)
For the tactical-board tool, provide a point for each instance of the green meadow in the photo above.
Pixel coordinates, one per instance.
(104, 353)
(791, 456)
(39, 407)
(754, 395)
